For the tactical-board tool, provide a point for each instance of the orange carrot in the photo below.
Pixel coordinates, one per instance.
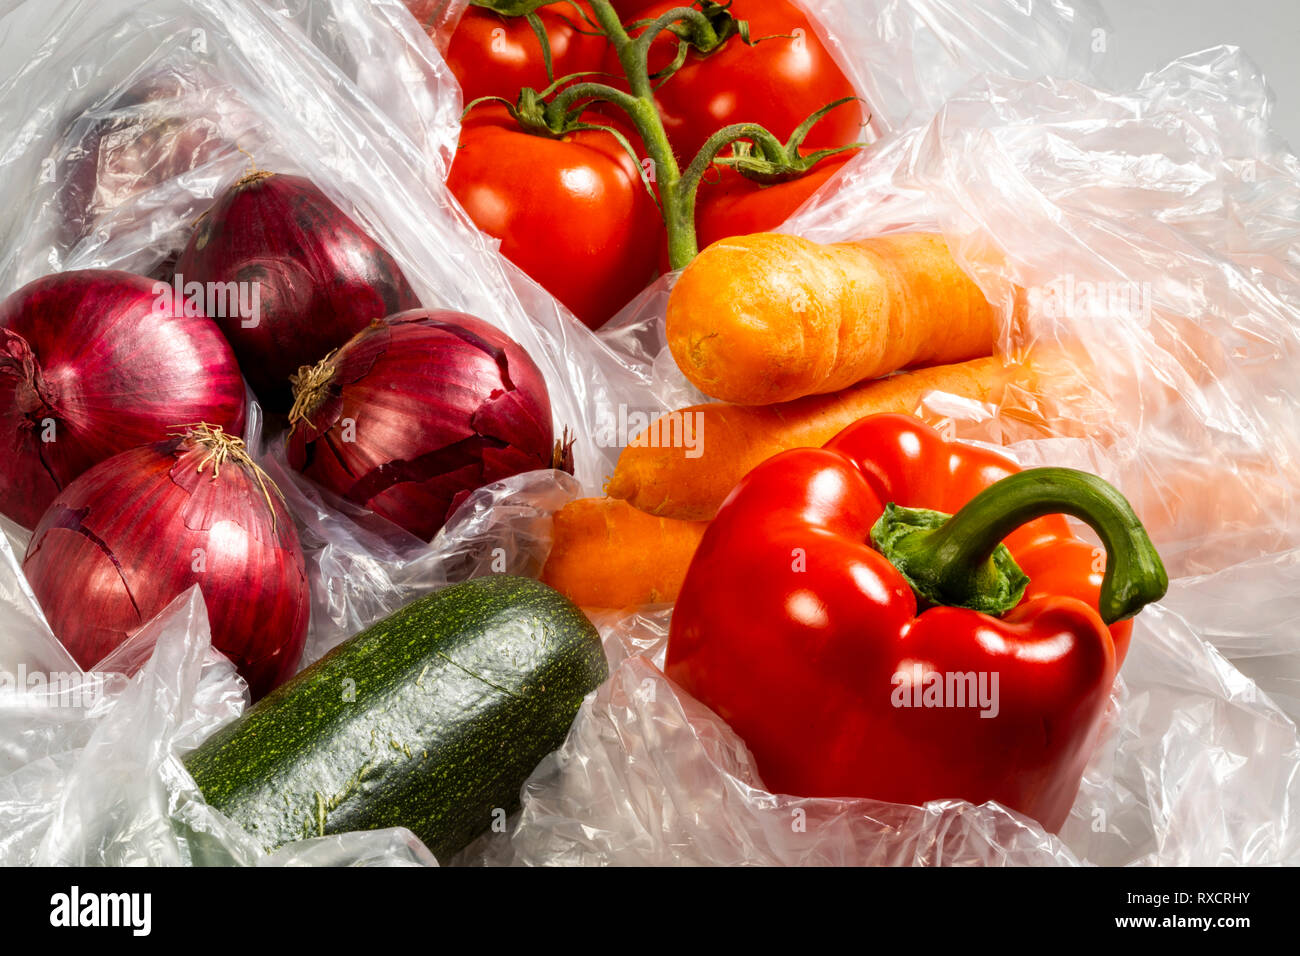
(608, 554)
(729, 440)
(770, 318)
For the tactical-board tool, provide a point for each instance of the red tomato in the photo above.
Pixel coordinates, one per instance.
(434, 15)
(728, 204)
(779, 82)
(493, 55)
(572, 212)
(630, 10)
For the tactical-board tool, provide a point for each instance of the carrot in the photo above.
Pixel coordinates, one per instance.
(731, 439)
(608, 554)
(769, 318)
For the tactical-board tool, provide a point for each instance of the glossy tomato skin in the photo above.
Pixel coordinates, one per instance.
(572, 213)
(729, 205)
(492, 55)
(630, 10)
(779, 82)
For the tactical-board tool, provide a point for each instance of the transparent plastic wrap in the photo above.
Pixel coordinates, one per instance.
(353, 95)
(362, 568)
(1173, 207)
(1142, 247)
(90, 771)
(438, 18)
(1174, 195)
(907, 58)
(1197, 765)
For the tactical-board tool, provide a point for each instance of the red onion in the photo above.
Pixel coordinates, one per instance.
(94, 362)
(318, 278)
(160, 127)
(416, 412)
(130, 535)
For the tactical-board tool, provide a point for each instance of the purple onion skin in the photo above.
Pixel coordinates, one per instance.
(110, 155)
(88, 369)
(130, 535)
(441, 403)
(321, 279)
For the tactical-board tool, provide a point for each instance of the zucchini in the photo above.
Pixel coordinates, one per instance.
(431, 719)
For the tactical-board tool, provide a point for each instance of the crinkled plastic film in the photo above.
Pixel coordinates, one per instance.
(994, 122)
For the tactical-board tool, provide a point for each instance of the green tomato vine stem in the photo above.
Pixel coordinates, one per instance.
(769, 158)
(676, 195)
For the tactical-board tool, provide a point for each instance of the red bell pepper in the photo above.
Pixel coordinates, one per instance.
(798, 620)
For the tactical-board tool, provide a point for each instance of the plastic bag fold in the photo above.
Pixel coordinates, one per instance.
(1172, 203)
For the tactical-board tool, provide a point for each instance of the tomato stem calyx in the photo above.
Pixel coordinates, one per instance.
(792, 164)
(705, 27)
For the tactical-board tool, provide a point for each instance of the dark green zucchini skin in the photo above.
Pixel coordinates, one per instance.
(432, 719)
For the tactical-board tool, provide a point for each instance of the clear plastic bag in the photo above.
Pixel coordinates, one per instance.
(1177, 189)
(91, 773)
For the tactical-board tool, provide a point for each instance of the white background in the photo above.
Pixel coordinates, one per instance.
(1147, 34)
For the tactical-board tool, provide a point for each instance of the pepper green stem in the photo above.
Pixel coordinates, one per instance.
(959, 561)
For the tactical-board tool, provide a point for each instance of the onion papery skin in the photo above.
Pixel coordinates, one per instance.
(92, 364)
(320, 278)
(421, 409)
(130, 535)
(161, 127)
